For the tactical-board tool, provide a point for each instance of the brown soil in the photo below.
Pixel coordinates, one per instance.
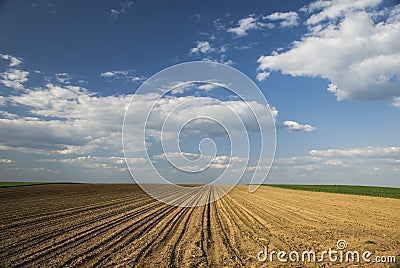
(120, 226)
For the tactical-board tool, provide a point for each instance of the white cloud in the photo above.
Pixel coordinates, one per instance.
(211, 86)
(71, 120)
(295, 126)
(274, 112)
(247, 24)
(262, 76)
(114, 12)
(204, 48)
(286, 19)
(63, 78)
(8, 115)
(117, 73)
(123, 74)
(180, 86)
(344, 166)
(6, 161)
(107, 74)
(14, 78)
(232, 113)
(69, 123)
(123, 9)
(348, 44)
(358, 152)
(333, 162)
(138, 78)
(96, 162)
(201, 47)
(222, 60)
(200, 162)
(396, 102)
(207, 87)
(49, 136)
(14, 61)
(330, 10)
(81, 121)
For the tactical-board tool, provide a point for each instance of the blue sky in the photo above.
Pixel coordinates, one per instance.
(329, 69)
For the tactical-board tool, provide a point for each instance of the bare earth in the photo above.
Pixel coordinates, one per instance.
(120, 226)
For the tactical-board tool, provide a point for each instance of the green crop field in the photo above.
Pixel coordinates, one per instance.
(345, 189)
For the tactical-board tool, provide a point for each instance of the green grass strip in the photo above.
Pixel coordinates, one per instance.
(387, 192)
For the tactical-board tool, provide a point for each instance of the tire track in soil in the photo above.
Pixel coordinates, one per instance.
(65, 213)
(100, 252)
(168, 236)
(129, 240)
(50, 250)
(102, 229)
(31, 241)
(229, 244)
(248, 235)
(172, 259)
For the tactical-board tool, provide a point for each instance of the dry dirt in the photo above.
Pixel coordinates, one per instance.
(120, 226)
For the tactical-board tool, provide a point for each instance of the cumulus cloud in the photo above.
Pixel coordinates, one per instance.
(96, 162)
(64, 120)
(262, 76)
(48, 136)
(233, 114)
(71, 120)
(330, 10)
(200, 162)
(13, 61)
(349, 43)
(201, 47)
(344, 166)
(285, 19)
(290, 125)
(295, 126)
(69, 124)
(14, 78)
(245, 25)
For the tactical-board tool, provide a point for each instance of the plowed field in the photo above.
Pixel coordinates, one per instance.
(69, 225)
